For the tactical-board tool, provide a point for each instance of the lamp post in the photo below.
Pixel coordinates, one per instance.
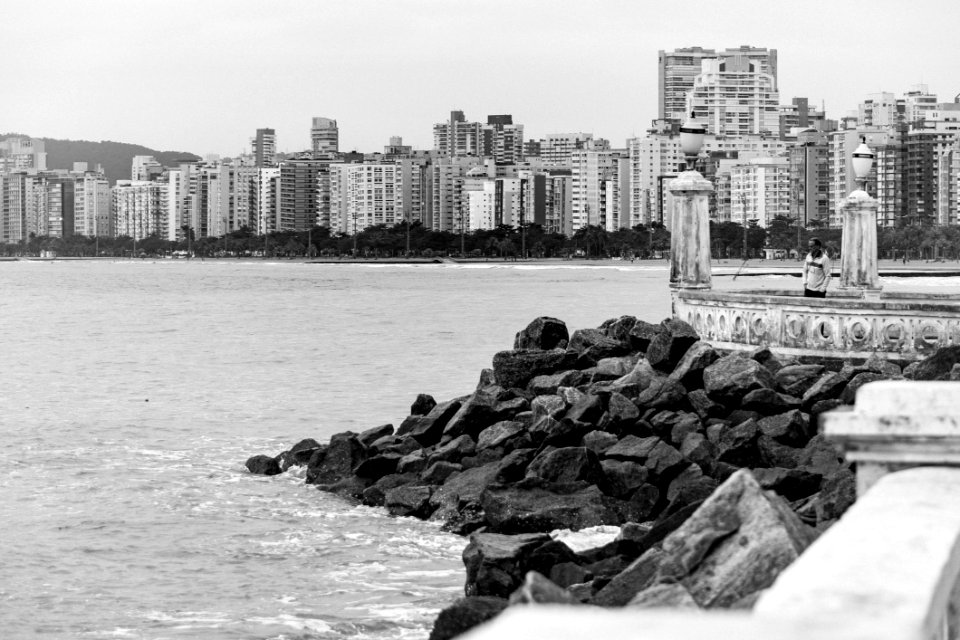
(858, 264)
(690, 216)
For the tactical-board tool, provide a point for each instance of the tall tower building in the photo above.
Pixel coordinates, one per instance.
(264, 148)
(503, 140)
(457, 137)
(324, 136)
(677, 71)
(734, 97)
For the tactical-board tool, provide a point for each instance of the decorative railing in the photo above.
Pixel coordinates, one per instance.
(901, 326)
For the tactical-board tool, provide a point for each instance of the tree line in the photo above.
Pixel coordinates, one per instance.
(729, 240)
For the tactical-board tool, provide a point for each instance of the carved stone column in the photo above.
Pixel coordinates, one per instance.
(690, 231)
(858, 264)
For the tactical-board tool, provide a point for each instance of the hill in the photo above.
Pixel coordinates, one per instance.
(115, 157)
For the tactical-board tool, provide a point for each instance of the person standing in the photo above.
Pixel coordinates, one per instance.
(816, 270)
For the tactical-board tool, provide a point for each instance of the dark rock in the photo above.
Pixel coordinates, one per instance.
(645, 500)
(464, 487)
(535, 505)
(672, 596)
(792, 484)
(642, 334)
(820, 457)
(837, 493)
(850, 392)
(343, 454)
(668, 347)
(697, 449)
(476, 414)
(689, 370)
(596, 344)
(263, 465)
(910, 370)
(538, 589)
(732, 377)
(742, 415)
(394, 444)
(454, 450)
(377, 466)
(792, 428)
(370, 436)
(588, 410)
(599, 441)
(423, 405)
(463, 522)
(496, 563)
(565, 574)
(767, 401)
(829, 386)
(408, 500)
(690, 487)
(820, 408)
(499, 434)
(299, 454)
(777, 454)
(413, 462)
(465, 614)
(767, 358)
(703, 405)
(548, 555)
(518, 367)
(487, 379)
(548, 384)
(662, 393)
(796, 379)
(513, 466)
(613, 368)
(428, 429)
(635, 578)
(619, 329)
(567, 464)
(565, 433)
(667, 523)
(623, 477)
(663, 461)
(544, 333)
(438, 472)
(548, 405)
(350, 487)
(738, 445)
(375, 495)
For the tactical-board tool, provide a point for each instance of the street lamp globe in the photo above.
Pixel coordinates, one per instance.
(691, 139)
(862, 162)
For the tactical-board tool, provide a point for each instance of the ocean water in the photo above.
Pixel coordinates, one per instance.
(131, 393)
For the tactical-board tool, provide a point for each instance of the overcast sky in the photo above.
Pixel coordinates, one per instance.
(203, 75)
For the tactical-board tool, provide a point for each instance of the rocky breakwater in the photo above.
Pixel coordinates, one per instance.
(710, 464)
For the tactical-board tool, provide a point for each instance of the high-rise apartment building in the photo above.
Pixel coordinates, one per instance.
(324, 136)
(446, 191)
(760, 191)
(138, 209)
(457, 137)
(809, 177)
(304, 193)
(366, 194)
(556, 148)
(21, 153)
(503, 140)
(92, 202)
(734, 98)
(264, 145)
(145, 169)
(595, 188)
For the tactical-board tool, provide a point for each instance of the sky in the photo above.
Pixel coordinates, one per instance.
(203, 75)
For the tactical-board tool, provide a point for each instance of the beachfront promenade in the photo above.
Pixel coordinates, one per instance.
(886, 570)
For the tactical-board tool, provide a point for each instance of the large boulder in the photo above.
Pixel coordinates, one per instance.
(423, 405)
(593, 345)
(536, 505)
(689, 370)
(639, 575)
(829, 386)
(619, 329)
(795, 379)
(299, 454)
(731, 378)
(544, 333)
(409, 500)
(465, 614)
(567, 464)
(496, 563)
(500, 433)
(734, 545)
(669, 345)
(791, 427)
(642, 334)
(342, 455)
(482, 409)
(662, 461)
(518, 367)
(938, 365)
(427, 429)
(263, 465)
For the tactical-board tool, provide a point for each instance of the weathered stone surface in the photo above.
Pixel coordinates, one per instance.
(622, 410)
(672, 596)
(732, 377)
(350, 487)
(796, 379)
(791, 427)
(263, 465)
(538, 589)
(689, 370)
(496, 563)
(513, 466)
(642, 334)
(370, 436)
(697, 449)
(548, 405)
(635, 578)
(767, 358)
(428, 429)
(423, 405)
(535, 505)
(662, 392)
(638, 379)
(343, 454)
(375, 495)
(777, 454)
(938, 365)
(477, 413)
(378, 466)
(820, 457)
(837, 493)
(623, 477)
(464, 487)
(565, 574)
(767, 401)
(454, 450)
(613, 368)
(544, 333)
(499, 433)
(668, 347)
(619, 329)
(465, 614)
(792, 484)
(567, 464)
(408, 500)
(850, 392)
(830, 385)
(703, 406)
(588, 410)
(596, 345)
(438, 472)
(736, 543)
(518, 367)
(673, 426)
(690, 486)
(738, 445)
(413, 462)
(548, 384)
(299, 454)
(599, 441)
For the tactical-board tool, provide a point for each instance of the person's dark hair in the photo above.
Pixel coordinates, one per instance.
(816, 241)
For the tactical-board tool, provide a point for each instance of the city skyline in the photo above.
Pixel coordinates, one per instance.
(201, 78)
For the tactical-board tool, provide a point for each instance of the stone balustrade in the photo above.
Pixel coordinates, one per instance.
(848, 323)
(886, 571)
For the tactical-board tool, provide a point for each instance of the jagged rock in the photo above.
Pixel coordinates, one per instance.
(703, 405)
(567, 464)
(299, 454)
(673, 426)
(623, 477)
(394, 444)
(535, 505)
(796, 379)
(565, 574)
(499, 433)
(537, 589)
(877, 364)
(370, 436)
(767, 401)
(599, 441)
(595, 345)
(496, 563)
(423, 405)
(697, 449)
(660, 459)
(428, 429)
(738, 445)
(910, 370)
(850, 392)
(513, 466)
(462, 522)
(735, 544)
(613, 368)
(642, 334)
(342, 455)
(409, 500)
(639, 378)
(439, 471)
(571, 395)
(792, 484)
(487, 379)
(544, 333)
(518, 367)
(413, 462)
(548, 405)
(588, 410)
(829, 386)
(547, 385)
(263, 465)
(689, 370)
(732, 377)
(375, 495)
(377, 466)
(689, 487)
(837, 493)
(820, 457)
(548, 555)
(622, 410)
(777, 454)
(662, 392)
(477, 413)
(464, 487)
(792, 428)
(635, 578)
(465, 614)
(619, 329)
(673, 596)
(454, 450)
(350, 487)
(670, 344)
(767, 358)
(820, 408)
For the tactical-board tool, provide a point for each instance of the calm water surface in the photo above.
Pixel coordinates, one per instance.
(132, 393)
